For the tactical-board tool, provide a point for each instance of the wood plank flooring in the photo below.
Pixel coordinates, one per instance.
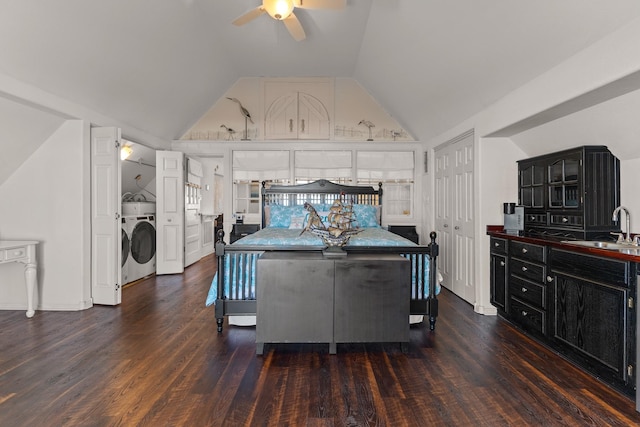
(157, 360)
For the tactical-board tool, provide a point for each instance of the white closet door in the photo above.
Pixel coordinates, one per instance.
(454, 180)
(443, 204)
(169, 212)
(106, 238)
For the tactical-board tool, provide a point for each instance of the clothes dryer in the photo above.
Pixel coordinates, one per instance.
(142, 237)
(126, 251)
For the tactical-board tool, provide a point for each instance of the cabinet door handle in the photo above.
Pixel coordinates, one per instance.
(456, 227)
(524, 250)
(524, 313)
(501, 263)
(290, 125)
(524, 289)
(549, 279)
(524, 268)
(302, 125)
(532, 218)
(496, 244)
(446, 225)
(565, 219)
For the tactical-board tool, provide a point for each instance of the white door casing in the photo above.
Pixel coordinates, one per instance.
(106, 238)
(169, 212)
(455, 215)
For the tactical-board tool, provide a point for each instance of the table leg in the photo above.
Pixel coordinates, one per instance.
(30, 276)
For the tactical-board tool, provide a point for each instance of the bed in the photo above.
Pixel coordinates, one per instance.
(233, 289)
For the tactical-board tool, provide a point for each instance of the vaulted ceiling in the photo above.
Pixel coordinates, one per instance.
(158, 65)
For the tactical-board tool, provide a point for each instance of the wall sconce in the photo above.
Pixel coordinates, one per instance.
(125, 152)
(278, 9)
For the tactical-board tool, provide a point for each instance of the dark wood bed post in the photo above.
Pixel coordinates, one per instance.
(380, 201)
(433, 281)
(219, 248)
(263, 190)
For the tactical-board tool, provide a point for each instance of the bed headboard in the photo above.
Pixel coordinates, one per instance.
(319, 192)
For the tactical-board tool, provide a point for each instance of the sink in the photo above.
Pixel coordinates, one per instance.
(614, 246)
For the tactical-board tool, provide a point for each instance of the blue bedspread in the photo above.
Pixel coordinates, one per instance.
(244, 264)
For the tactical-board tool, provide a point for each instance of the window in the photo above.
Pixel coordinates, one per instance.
(395, 170)
(250, 168)
(311, 166)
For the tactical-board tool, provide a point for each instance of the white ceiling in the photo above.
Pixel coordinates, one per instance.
(159, 65)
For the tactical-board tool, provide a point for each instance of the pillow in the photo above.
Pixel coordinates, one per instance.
(297, 222)
(324, 217)
(366, 216)
(280, 216)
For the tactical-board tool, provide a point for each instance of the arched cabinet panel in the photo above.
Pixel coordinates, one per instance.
(298, 109)
(297, 115)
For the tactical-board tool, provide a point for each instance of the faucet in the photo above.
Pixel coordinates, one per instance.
(614, 217)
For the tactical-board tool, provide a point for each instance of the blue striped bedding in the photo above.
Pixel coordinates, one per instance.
(244, 263)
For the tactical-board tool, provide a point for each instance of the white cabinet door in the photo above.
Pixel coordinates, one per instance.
(282, 118)
(298, 109)
(106, 237)
(313, 118)
(170, 212)
(192, 235)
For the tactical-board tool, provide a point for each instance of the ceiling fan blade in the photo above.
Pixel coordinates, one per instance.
(294, 27)
(320, 4)
(249, 16)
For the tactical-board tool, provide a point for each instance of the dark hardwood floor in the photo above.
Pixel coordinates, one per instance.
(157, 360)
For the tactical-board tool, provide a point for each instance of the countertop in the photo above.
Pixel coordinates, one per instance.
(632, 254)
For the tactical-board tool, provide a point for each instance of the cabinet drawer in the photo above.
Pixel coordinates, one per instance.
(532, 293)
(535, 218)
(528, 317)
(590, 267)
(527, 270)
(528, 251)
(566, 220)
(498, 246)
(16, 253)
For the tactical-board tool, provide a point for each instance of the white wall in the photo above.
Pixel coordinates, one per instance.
(496, 183)
(47, 199)
(585, 78)
(629, 195)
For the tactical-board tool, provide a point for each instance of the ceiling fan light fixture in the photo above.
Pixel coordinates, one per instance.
(278, 9)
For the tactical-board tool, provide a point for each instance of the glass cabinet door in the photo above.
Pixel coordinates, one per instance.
(532, 186)
(563, 183)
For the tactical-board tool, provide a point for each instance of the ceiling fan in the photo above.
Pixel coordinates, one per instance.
(282, 10)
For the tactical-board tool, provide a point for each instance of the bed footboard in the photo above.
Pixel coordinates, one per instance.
(238, 266)
(424, 274)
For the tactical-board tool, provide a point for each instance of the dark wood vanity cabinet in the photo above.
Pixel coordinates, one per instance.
(581, 305)
(499, 274)
(570, 193)
(594, 314)
(527, 290)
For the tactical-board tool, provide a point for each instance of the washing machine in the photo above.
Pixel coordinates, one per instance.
(126, 251)
(141, 230)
